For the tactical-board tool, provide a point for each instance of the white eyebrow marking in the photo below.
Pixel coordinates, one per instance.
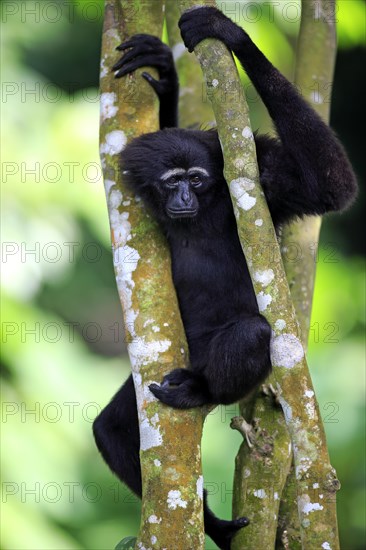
(198, 169)
(174, 172)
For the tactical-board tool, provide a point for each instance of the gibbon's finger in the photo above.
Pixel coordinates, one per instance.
(145, 39)
(157, 61)
(130, 67)
(178, 376)
(187, 395)
(136, 51)
(125, 45)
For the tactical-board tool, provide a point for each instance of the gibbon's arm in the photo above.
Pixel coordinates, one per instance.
(308, 172)
(149, 51)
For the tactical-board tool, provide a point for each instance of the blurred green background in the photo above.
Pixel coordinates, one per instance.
(62, 332)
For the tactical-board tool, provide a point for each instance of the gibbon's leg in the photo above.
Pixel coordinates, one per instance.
(116, 433)
(223, 371)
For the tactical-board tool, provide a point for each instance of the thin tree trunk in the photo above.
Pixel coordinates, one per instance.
(292, 381)
(261, 467)
(194, 105)
(315, 60)
(171, 471)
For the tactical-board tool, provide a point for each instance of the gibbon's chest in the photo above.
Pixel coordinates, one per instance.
(211, 271)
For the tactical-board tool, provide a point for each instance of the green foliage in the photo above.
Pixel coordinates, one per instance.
(351, 21)
(127, 543)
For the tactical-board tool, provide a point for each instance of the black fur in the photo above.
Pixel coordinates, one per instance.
(303, 172)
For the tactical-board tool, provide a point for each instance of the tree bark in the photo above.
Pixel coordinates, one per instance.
(261, 467)
(292, 383)
(194, 104)
(315, 60)
(171, 471)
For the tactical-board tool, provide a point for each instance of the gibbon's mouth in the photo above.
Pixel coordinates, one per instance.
(182, 213)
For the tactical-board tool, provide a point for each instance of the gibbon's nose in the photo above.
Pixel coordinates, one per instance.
(186, 194)
(186, 197)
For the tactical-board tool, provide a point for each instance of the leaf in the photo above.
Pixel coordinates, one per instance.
(128, 543)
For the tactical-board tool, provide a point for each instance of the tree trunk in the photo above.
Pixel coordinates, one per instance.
(172, 481)
(171, 472)
(194, 105)
(291, 379)
(315, 60)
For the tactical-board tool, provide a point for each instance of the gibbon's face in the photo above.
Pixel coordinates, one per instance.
(181, 188)
(176, 172)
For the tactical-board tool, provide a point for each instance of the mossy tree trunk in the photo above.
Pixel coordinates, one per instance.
(172, 484)
(315, 60)
(291, 379)
(194, 104)
(171, 472)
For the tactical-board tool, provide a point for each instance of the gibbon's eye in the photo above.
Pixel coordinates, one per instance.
(195, 180)
(173, 181)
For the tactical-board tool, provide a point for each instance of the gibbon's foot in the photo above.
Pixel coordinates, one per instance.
(182, 389)
(223, 531)
(229, 530)
(176, 377)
